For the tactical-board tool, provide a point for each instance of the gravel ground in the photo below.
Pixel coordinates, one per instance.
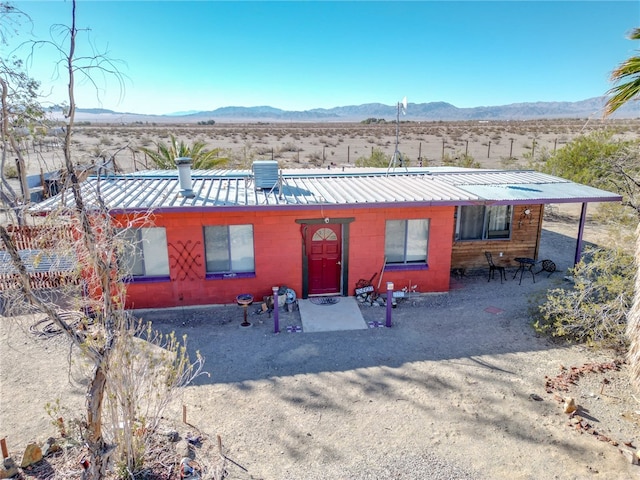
(447, 392)
(454, 390)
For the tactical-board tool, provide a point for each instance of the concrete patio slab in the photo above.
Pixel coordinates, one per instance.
(343, 315)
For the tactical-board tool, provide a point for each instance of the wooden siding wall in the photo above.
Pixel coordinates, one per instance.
(278, 254)
(524, 242)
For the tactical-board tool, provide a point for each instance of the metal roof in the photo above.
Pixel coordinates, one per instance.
(37, 261)
(160, 189)
(509, 186)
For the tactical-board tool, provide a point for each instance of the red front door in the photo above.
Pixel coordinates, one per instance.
(324, 255)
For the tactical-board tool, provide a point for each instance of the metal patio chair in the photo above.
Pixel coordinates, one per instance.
(547, 266)
(493, 268)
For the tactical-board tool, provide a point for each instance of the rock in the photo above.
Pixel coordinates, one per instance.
(184, 450)
(535, 397)
(50, 447)
(570, 405)
(32, 454)
(189, 470)
(630, 455)
(9, 468)
(172, 435)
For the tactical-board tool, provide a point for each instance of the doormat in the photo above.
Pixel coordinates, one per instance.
(376, 324)
(294, 328)
(324, 300)
(494, 310)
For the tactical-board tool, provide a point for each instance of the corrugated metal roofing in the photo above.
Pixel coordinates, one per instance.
(160, 189)
(37, 261)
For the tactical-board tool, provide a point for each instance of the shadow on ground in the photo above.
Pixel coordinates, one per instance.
(476, 318)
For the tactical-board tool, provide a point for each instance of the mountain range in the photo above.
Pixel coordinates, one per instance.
(432, 111)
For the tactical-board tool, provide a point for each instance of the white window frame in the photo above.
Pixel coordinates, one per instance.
(497, 223)
(412, 247)
(235, 247)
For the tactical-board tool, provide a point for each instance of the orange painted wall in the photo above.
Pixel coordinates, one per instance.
(278, 254)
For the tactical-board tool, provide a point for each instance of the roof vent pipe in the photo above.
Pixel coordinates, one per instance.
(184, 174)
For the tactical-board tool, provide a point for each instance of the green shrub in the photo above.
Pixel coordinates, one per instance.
(463, 160)
(10, 171)
(377, 159)
(593, 310)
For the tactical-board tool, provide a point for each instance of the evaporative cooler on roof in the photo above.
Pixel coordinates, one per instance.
(265, 174)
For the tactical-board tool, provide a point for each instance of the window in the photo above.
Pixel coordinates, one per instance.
(324, 234)
(478, 222)
(229, 249)
(145, 254)
(406, 241)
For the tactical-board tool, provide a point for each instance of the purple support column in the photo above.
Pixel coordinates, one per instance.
(389, 303)
(276, 319)
(583, 217)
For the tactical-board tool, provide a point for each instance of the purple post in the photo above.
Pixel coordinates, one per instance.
(389, 303)
(583, 217)
(276, 319)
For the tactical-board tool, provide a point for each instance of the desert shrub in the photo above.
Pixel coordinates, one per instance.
(328, 143)
(593, 310)
(315, 158)
(587, 159)
(263, 151)
(600, 161)
(613, 212)
(10, 171)
(463, 160)
(377, 159)
(537, 160)
(289, 147)
(509, 163)
(145, 141)
(373, 120)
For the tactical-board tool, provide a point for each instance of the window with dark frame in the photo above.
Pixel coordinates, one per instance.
(229, 249)
(406, 241)
(480, 222)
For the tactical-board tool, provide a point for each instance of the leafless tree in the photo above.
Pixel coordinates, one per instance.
(96, 244)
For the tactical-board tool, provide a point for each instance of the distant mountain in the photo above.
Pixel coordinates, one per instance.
(94, 111)
(432, 111)
(179, 114)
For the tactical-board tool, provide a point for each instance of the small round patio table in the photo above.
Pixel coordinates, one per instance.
(525, 264)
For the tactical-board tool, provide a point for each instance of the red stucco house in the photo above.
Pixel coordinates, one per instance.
(220, 233)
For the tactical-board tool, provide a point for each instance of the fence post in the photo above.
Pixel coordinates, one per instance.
(489, 149)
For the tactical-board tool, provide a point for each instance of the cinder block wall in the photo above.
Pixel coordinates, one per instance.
(278, 254)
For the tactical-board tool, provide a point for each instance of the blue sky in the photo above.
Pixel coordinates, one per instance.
(295, 55)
